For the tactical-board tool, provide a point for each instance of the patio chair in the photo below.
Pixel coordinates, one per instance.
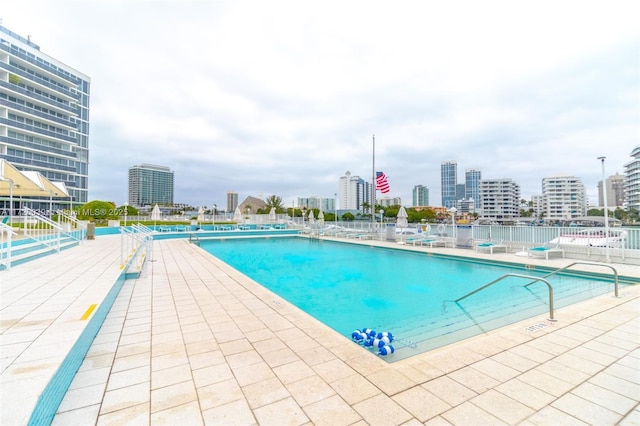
(491, 246)
(545, 250)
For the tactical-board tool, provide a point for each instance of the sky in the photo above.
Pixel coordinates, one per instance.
(284, 97)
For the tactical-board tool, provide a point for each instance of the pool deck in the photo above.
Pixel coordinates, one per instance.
(192, 342)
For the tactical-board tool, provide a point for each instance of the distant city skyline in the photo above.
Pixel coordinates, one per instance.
(431, 80)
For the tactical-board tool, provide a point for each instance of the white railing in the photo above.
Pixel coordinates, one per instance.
(41, 228)
(134, 239)
(72, 227)
(6, 232)
(517, 238)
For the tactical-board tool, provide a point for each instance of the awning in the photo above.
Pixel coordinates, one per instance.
(14, 182)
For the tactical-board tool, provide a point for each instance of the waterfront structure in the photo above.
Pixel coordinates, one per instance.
(353, 192)
(150, 184)
(565, 197)
(614, 190)
(232, 201)
(448, 182)
(632, 180)
(472, 179)
(44, 117)
(499, 199)
(420, 195)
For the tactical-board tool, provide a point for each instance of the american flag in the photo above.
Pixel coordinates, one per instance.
(381, 182)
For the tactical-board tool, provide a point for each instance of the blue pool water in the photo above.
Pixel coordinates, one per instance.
(349, 286)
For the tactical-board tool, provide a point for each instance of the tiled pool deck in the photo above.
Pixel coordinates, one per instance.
(193, 342)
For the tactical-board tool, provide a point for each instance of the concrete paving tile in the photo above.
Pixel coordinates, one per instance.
(333, 370)
(243, 358)
(577, 363)
(526, 394)
(134, 415)
(265, 392)
(631, 374)
(438, 421)
(515, 361)
(382, 410)
(129, 377)
(292, 372)
(310, 390)
(333, 411)
(122, 398)
(354, 388)
(563, 372)
(552, 416)
(173, 359)
(252, 373)
(501, 406)
(585, 410)
(593, 356)
(218, 394)
(421, 403)
(170, 376)
(545, 382)
(449, 390)
(470, 414)
(606, 398)
(283, 412)
(633, 418)
(92, 377)
(82, 397)
(173, 396)
(212, 374)
(131, 361)
(616, 384)
(474, 379)
(495, 369)
(236, 413)
(76, 417)
(186, 414)
(390, 380)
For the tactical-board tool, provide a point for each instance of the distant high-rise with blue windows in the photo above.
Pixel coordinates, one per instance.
(420, 196)
(448, 182)
(44, 117)
(472, 178)
(150, 184)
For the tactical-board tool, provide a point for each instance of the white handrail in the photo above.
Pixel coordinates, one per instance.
(5, 247)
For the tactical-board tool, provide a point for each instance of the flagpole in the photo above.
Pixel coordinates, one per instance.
(373, 175)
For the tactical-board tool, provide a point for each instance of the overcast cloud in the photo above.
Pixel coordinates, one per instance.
(283, 98)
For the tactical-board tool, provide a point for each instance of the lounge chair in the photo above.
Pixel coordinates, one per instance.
(430, 240)
(491, 246)
(545, 250)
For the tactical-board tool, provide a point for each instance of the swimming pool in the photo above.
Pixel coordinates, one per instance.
(351, 286)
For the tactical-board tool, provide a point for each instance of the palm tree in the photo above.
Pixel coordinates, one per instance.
(275, 202)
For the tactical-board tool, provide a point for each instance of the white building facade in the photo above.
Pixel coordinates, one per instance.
(44, 115)
(499, 199)
(565, 197)
(353, 192)
(632, 180)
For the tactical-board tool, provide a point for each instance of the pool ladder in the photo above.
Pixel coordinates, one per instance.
(193, 238)
(534, 280)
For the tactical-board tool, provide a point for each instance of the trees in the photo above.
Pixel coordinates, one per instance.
(274, 201)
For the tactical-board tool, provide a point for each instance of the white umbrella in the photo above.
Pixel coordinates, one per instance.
(321, 218)
(402, 221)
(237, 215)
(311, 218)
(272, 214)
(200, 215)
(155, 214)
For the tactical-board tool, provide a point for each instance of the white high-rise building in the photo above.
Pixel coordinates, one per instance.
(632, 180)
(44, 115)
(353, 192)
(565, 197)
(499, 198)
